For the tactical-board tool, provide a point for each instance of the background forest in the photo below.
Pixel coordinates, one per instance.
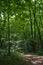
(21, 26)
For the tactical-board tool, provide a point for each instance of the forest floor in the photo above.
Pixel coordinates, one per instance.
(35, 59)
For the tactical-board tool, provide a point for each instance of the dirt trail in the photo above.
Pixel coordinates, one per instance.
(36, 60)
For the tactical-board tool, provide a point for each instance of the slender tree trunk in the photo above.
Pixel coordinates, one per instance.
(32, 42)
(0, 28)
(40, 15)
(30, 13)
(0, 23)
(34, 13)
(36, 25)
(8, 30)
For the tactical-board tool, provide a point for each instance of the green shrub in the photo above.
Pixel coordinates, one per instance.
(13, 59)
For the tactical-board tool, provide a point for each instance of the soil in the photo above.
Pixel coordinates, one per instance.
(35, 60)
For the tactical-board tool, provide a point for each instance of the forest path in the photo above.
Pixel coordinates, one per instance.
(35, 60)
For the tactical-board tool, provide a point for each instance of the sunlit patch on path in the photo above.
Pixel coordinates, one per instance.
(35, 60)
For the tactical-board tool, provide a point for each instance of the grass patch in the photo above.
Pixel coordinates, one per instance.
(13, 59)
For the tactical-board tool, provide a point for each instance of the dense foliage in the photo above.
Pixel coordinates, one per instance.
(21, 25)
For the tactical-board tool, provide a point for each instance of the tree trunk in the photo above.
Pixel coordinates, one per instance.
(8, 30)
(31, 32)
